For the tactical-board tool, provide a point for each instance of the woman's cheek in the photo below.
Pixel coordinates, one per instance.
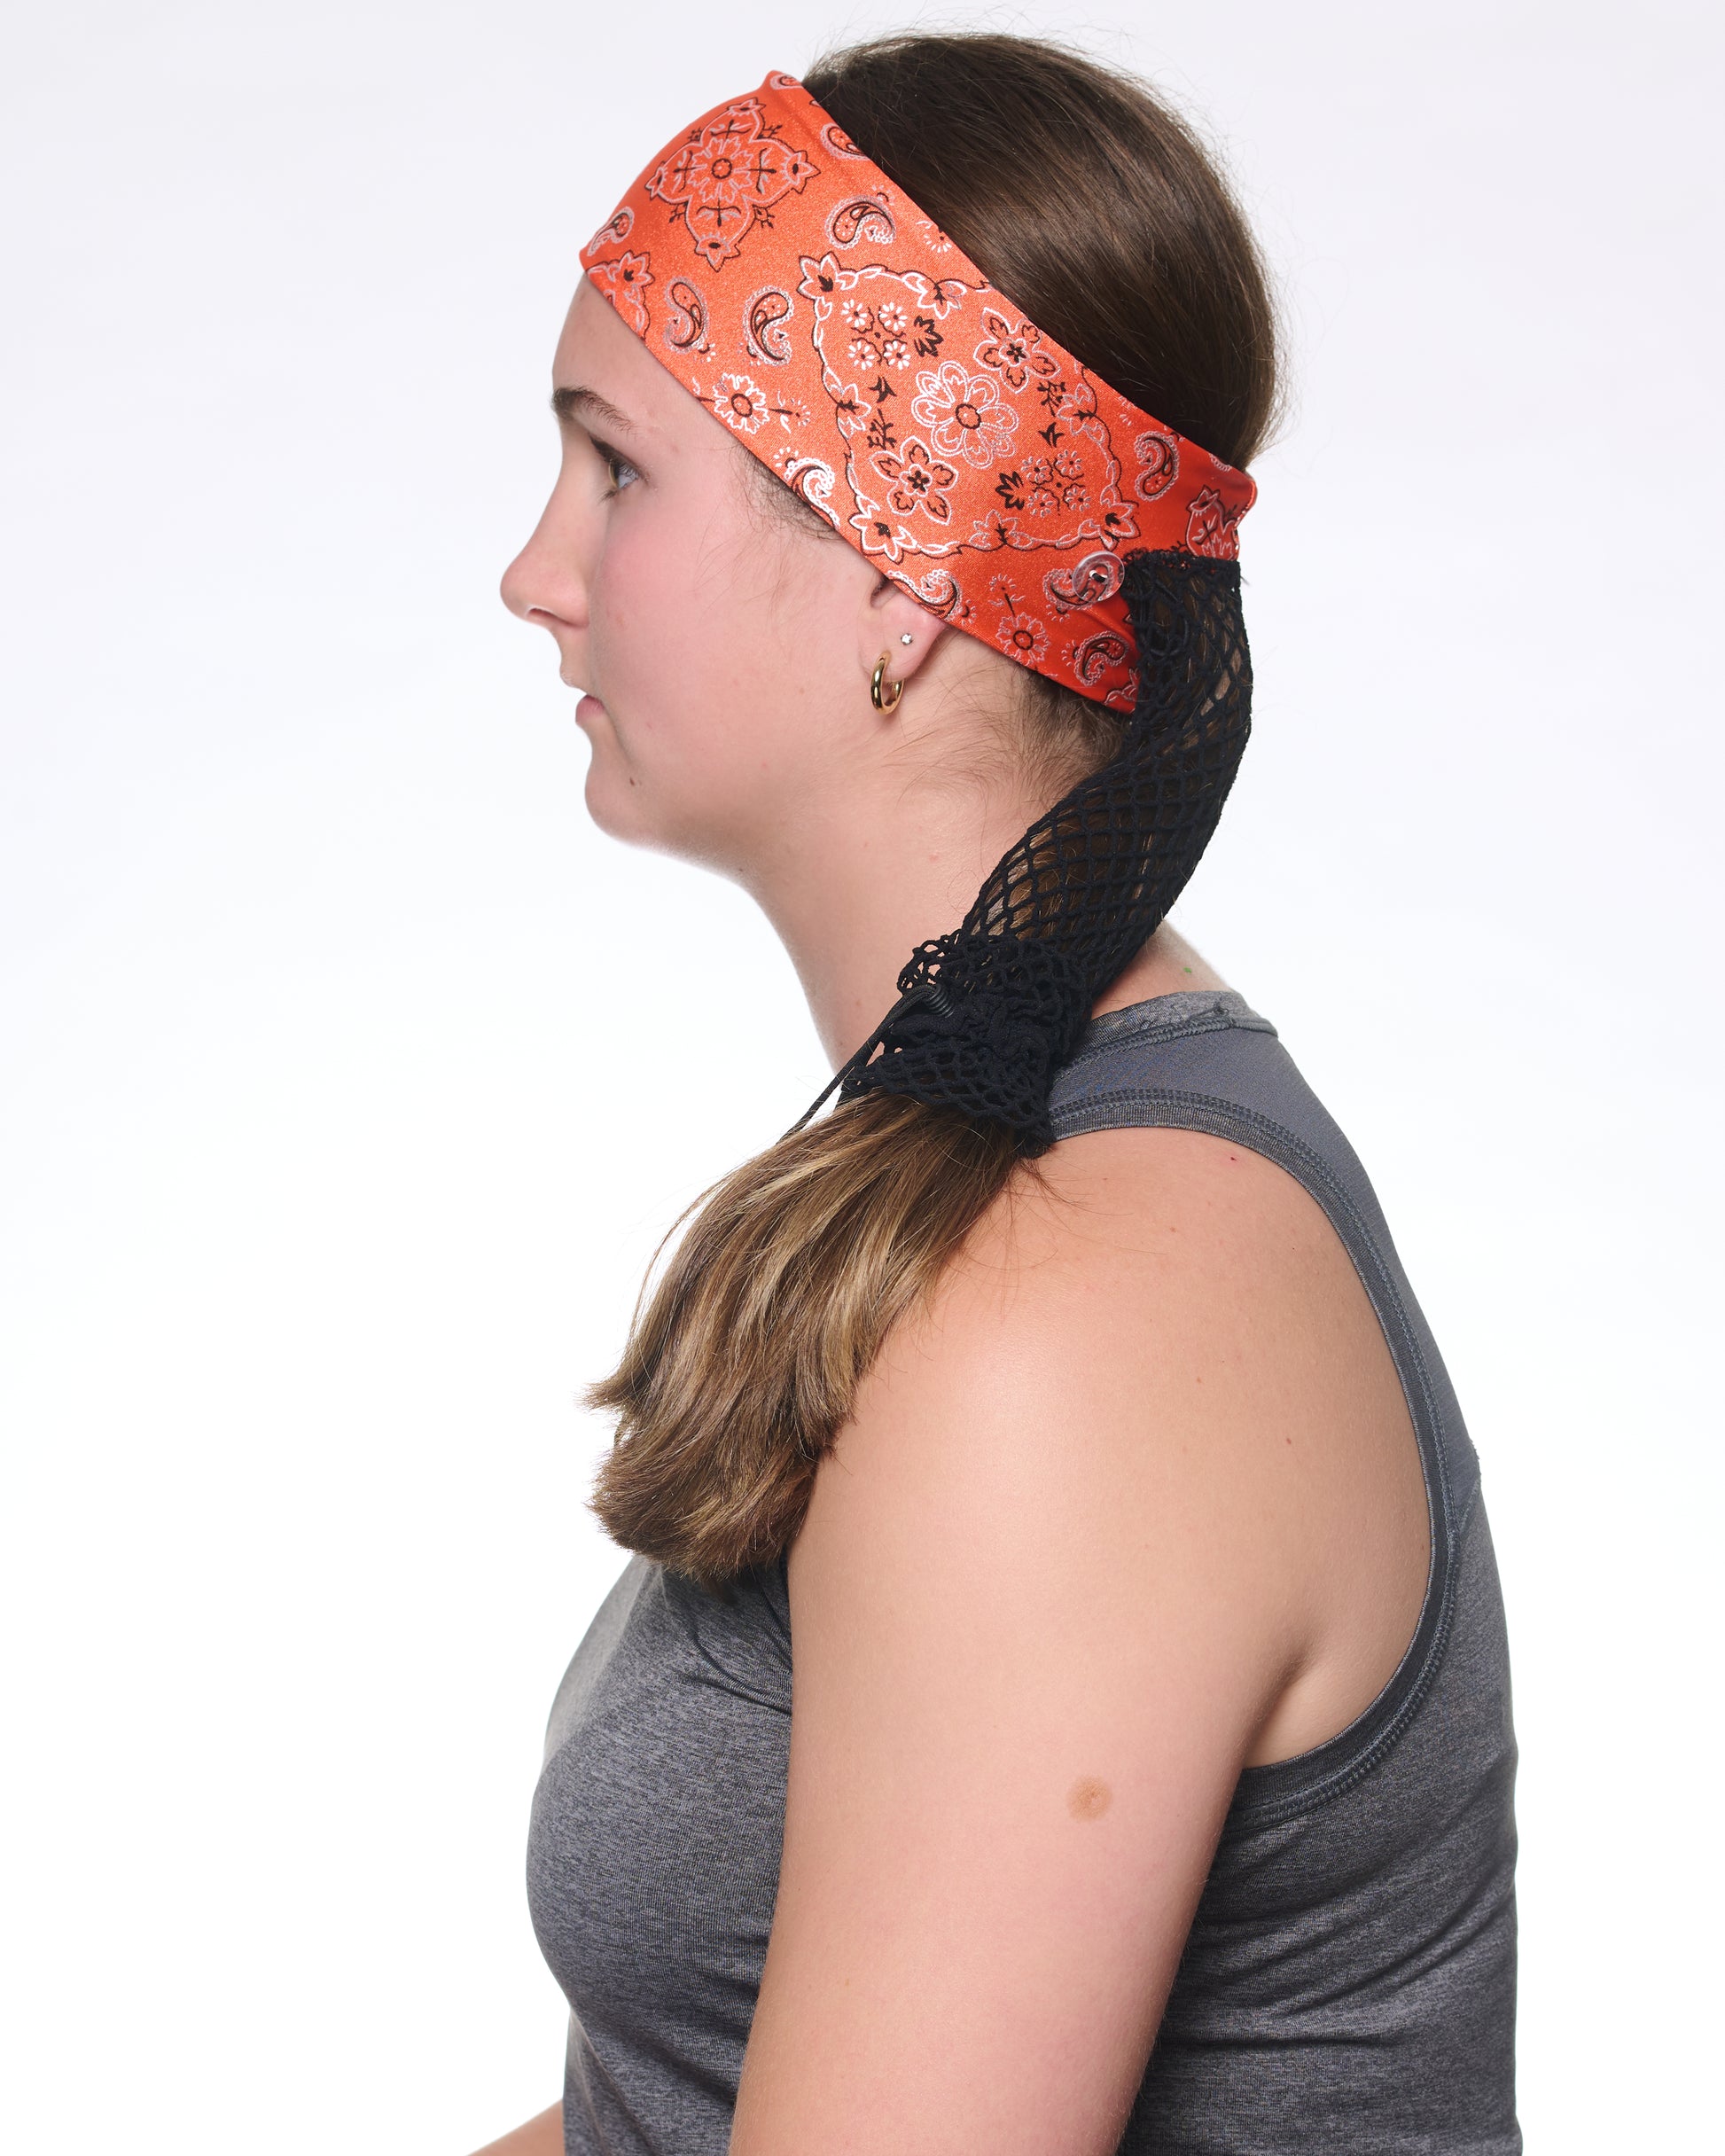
(654, 669)
(644, 598)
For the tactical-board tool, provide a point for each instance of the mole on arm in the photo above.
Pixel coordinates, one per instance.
(1088, 1798)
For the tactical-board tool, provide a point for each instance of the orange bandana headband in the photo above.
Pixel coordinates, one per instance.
(811, 306)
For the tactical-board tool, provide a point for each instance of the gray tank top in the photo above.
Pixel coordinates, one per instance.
(1348, 1984)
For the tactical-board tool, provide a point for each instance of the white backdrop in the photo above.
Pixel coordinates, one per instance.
(348, 1075)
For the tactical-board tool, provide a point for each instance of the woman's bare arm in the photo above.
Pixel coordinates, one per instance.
(1136, 1504)
(540, 2136)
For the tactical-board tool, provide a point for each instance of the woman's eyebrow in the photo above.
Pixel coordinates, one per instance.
(581, 404)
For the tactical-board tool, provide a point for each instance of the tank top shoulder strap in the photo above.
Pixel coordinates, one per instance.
(1203, 1060)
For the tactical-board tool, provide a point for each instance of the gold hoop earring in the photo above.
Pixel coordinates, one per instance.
(878, 686)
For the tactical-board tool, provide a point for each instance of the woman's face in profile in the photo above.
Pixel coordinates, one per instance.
(713, 641)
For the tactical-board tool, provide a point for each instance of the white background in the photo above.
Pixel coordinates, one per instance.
(350, 1076)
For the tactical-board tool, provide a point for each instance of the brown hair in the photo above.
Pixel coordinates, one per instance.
(1094, 208)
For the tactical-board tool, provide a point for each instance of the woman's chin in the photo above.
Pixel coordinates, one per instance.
(614, 802)
(612, 797)
(619, 806)
(659, 818)
(623, 807)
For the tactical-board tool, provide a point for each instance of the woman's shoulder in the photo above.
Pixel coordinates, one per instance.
(1151, 1381)
(1129, 1305)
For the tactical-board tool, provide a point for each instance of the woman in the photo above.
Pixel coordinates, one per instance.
(1058, 1393)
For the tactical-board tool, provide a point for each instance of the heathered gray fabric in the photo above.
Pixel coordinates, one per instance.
(1348, 1986)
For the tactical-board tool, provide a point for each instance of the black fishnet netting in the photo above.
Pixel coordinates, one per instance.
(988, 1012)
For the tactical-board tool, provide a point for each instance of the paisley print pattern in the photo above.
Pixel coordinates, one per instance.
(1158, 464)
(865, 219)
(763, 325)
(848, 342)
(686, 332)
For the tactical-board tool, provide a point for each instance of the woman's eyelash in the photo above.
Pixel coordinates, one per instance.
(614, 465)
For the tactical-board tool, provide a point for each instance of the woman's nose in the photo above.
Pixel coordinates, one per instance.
(517, 584)
(543, 580)
(514, 587)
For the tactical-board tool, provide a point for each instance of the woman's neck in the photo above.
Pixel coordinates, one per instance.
(865, 883)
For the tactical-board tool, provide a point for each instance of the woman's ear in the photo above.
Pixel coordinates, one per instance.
(894, 622)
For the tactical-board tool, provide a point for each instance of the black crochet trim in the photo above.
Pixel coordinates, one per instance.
(988, 1013)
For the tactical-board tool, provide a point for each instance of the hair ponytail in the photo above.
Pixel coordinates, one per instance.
(743, 1365)
(743, 1358)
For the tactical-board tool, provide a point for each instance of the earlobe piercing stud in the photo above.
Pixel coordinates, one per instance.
(906, 637)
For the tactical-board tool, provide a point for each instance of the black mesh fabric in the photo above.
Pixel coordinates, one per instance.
(988, 1012)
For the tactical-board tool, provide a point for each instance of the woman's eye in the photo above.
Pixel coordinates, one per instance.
(616, 466)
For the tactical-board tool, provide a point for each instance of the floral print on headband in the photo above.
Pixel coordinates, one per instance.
(848, 343)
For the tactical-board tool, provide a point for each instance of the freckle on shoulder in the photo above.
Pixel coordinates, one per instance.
(1088, 1798)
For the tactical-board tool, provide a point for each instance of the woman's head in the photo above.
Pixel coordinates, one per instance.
(706, 641)
(728, 633)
